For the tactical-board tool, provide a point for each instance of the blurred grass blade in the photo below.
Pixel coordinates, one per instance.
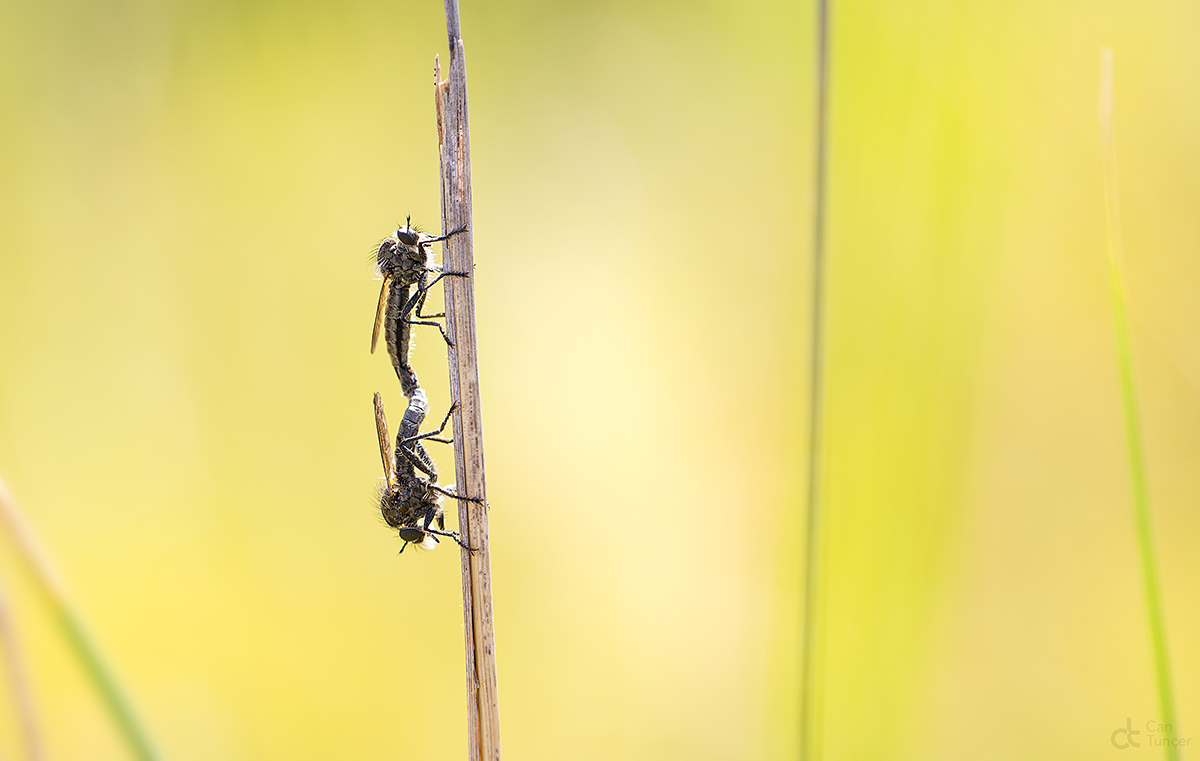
(73, 627)
(18, 678)
(1133, 428)
(809, 693)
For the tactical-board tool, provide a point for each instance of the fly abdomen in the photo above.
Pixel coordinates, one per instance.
(398, 333)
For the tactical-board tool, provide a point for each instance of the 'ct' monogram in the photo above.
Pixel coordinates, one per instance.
(1129, 732)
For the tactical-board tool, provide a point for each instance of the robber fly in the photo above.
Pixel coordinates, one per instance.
(403, 260)
(410, 502)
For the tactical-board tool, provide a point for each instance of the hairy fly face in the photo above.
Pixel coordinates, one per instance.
(411, 511)
(403, 256)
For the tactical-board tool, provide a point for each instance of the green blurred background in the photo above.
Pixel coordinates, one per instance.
(190, 193)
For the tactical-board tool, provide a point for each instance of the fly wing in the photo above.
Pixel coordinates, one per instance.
(380, 311)
(385, 449)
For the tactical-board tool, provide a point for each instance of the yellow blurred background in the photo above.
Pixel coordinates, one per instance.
(189, 195)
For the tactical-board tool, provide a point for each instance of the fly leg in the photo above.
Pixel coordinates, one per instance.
(430, 515)
(417, 301)
(434, 435)
(420, 459)
(441, 238)
(453, 535)
(452, 495)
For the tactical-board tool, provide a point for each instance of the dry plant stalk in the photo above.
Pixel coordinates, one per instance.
(454, 148)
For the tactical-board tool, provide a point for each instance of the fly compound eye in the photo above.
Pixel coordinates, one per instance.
(414, 535)
(408, 236)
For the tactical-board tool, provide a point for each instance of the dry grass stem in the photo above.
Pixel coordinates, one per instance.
(454, 145)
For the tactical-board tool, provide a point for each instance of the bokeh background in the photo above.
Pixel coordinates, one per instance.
(189, 195)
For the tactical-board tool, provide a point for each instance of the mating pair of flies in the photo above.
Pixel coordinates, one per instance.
(410, 499)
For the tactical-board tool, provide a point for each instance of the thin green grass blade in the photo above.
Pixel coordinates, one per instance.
(1129, 403)
(81, 642)
(105, 682)
(810, 743)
